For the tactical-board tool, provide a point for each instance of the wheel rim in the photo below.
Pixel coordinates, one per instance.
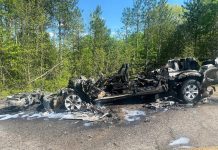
(73, 102)
(191, 91)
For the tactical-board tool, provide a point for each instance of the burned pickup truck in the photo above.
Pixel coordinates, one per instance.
(184, 80)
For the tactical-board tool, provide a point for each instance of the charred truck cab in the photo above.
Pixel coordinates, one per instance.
(183, 79)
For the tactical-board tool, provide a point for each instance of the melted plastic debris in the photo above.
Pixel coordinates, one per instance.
(133, 115)
(180, 141)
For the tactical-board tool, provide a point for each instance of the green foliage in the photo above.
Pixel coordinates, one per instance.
(172, 31)
(201, 26)
(100, 36)
(153, 32)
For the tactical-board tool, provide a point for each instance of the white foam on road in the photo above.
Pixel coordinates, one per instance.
(88, 124)
(47, 115)
(33, 116)
(133, 115)
(24, 116)
(8, 116)
(180, 141)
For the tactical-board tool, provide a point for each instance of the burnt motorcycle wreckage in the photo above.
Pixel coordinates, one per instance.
(182, 79)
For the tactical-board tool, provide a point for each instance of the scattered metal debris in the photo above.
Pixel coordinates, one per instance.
(61, 105)
(160, 104)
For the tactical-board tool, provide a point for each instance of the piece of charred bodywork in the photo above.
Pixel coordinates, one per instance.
(182, 79)
(63, 100)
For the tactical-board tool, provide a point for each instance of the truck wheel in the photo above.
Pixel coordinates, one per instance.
(190, 91)
(73, 102)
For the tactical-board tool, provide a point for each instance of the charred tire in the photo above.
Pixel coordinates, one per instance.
(190, 91)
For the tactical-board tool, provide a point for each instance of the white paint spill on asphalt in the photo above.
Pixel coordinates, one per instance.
(180, 141)
(132, 115)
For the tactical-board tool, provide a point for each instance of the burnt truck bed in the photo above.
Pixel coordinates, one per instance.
(142, 92)
(116, 87)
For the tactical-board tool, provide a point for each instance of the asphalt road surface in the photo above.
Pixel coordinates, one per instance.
(183, 128)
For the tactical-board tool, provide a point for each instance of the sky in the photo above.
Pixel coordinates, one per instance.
(112, 10)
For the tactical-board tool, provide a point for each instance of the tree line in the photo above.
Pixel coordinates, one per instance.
(45, 42)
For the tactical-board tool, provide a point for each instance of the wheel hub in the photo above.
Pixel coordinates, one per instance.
(73, 102)
(191, 92)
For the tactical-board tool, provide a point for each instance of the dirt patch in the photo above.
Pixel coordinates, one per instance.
(206, 148)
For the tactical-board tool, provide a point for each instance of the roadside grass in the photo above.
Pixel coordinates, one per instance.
(48, 86)
(5, 93)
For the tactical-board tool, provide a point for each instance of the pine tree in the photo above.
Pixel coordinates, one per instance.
(100, 36)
